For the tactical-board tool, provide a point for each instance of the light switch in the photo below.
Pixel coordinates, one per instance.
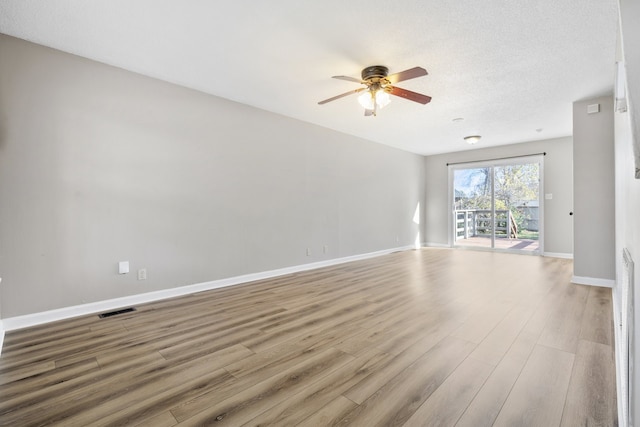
(123, 267)
(548, 196)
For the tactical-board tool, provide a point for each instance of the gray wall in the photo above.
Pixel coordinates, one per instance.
(594, 195)
(558, 226)
(100, 165)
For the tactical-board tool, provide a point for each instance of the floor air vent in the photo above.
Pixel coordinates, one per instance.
(115, 313)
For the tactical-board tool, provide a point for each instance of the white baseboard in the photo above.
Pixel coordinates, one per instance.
(25, 321)
(558, 255)
(593, 281)
(436, 245)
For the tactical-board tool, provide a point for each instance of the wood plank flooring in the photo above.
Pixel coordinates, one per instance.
(432, 337)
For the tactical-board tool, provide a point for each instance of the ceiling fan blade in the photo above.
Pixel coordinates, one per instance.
(351, 92)
(411, 96)
(347, 78)
(411, 73)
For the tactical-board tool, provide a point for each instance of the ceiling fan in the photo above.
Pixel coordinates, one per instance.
(379, 85)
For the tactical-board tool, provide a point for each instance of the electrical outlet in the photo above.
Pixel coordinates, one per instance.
(142, 274)
(325, 249)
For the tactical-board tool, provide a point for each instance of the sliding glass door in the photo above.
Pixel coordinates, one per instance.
(473, 208)
(497, 204)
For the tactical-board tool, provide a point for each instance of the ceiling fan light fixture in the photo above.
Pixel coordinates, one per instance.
(382, 98)
(366, 100)
(472, 139)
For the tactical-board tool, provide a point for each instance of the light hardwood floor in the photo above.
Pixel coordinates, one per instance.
(433, 337)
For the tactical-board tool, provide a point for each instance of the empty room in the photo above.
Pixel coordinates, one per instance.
(319, 213)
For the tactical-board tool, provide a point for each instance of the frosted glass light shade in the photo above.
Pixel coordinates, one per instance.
(472, 139)
(366, 100)
(382, 98)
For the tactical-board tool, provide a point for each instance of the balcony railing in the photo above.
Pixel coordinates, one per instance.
(479, 222)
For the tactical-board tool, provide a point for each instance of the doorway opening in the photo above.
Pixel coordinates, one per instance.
(497, 205)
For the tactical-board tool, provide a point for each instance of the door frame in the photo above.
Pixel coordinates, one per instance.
(534, 158)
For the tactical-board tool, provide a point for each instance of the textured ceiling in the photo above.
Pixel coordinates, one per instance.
(508, 68)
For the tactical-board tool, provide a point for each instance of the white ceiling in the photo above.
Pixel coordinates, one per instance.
(508, 68)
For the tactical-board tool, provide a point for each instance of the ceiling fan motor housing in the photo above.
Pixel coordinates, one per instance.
(375, 71)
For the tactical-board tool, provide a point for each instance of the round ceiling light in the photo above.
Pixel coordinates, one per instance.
(472, 139)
